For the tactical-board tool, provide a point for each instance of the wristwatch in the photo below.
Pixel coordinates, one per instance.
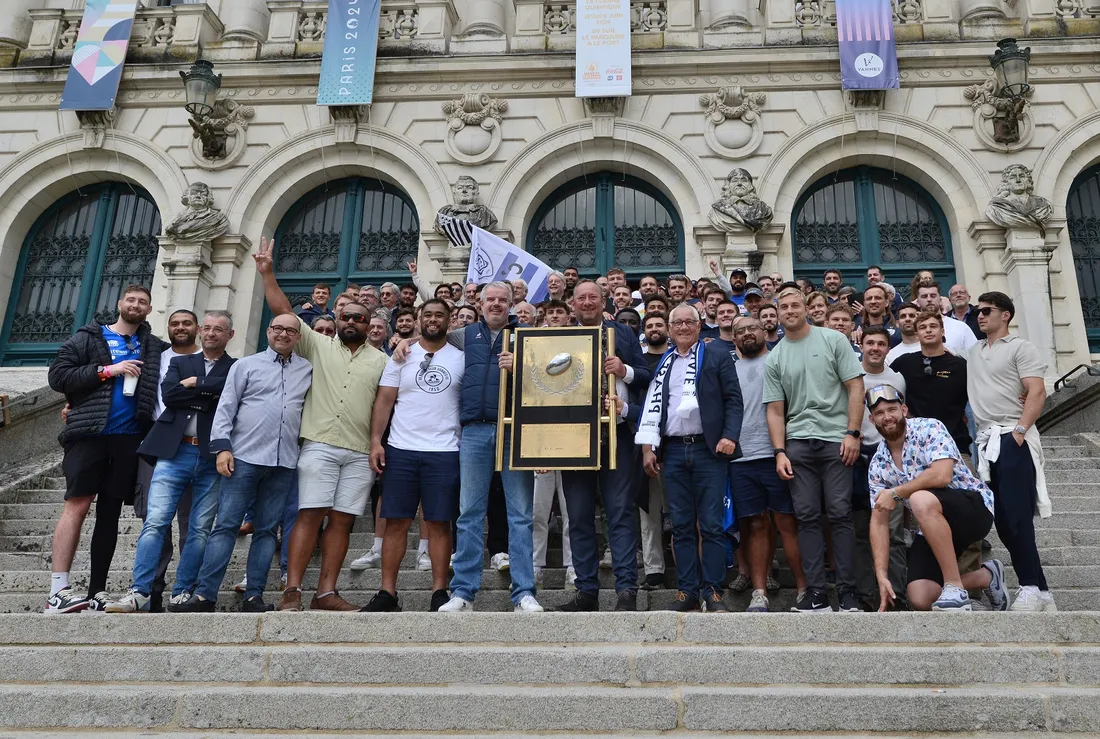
(894, 492)
(779, 450)
(854, 433)
(1020, 430)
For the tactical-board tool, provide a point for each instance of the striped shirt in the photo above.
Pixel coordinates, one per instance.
(259, 415)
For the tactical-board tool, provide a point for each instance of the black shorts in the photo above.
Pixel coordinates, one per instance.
(969, 520)
(102, 465)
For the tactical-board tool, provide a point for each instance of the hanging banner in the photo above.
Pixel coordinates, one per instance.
(492, 258)
(98, 55)
(351, 46)
(868, 54)
(603, 48)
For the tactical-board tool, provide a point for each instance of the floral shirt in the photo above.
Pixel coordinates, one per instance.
(926, 441)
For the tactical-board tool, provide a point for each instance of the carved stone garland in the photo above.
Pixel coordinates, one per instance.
(473, 127)
(733, 128)
(987, 105)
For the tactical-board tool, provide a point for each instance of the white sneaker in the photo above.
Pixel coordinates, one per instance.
(570, 578)
(423, 562)
(1028, 600)
(132, 602)
(528, 604)
(538, 576)
(500, 562)
(1048, 601)
(180, 599)
(605, 563)
(456, 605)
(242, 586)
(98, 603)
(368, 561)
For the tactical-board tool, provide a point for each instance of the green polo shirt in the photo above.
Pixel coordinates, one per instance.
(339, 403)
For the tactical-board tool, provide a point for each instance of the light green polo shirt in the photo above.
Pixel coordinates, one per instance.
(340, 401)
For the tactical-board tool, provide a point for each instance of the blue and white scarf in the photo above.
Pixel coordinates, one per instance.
(649, 427)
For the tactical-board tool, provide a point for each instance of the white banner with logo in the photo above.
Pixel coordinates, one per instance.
(603, 48)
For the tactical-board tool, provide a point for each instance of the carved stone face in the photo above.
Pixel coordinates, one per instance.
(199, 196)
(738, 185)
(466, 191)
(1017, 180)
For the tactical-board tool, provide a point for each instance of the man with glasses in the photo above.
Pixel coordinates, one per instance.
(255, 435)
(324, 326)
(917, 465)
(420, 459)
(962, 310)
(334, 472)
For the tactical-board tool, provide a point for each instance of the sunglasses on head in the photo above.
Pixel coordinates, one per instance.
(355, 318)
(879, 393)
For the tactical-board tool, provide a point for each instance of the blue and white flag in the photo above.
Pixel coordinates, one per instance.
(492, 258)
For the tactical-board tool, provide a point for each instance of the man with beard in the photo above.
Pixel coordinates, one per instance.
(831, 282)
(404, 325)
(679, 289)
(652, 524)
(767, 287)
(735, 287)
(421, 457)
(918, 465)
(769, 319)
(907, 327)
(814, 392)
(334, 472)
(104, 426)
(571, 277)
(648, 288)
(616, 487)
(692, 414)
(407, 295)
(368, 296)
(755, 486)
(656, 304)
(620, 298)
(180, 442)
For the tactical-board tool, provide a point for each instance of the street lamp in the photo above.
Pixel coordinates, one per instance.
(200, 87)
(1010, 64)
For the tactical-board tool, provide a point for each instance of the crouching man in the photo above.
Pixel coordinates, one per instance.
(918, 465)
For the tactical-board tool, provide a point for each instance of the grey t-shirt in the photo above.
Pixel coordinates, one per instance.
(755, 442)
(994, 375)
(886, 377)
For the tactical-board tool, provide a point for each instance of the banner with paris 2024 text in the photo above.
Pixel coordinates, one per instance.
(351, 49)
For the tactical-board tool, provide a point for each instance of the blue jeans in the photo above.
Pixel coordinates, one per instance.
(171, 478)
(264, 489)
(290, 515)
(476, 460)
(695, 485)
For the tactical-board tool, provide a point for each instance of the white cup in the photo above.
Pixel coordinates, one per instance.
(129, 385)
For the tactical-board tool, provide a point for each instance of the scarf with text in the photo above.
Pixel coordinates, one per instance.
(649, 427)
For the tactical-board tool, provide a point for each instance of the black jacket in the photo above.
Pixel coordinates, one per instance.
(181, 403)
(74, 374)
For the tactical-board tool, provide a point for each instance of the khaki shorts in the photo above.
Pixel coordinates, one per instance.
(332, 477)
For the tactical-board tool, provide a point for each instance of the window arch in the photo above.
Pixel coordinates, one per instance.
(1083, 217)
(76, 260)
(353, 230)
(858, 217)
(608, 220)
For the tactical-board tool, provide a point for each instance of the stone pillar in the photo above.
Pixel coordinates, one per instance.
(989, 242)
(227, 255)
(282, 29)
(453, 261)
(188, 268)
(1026, 261)
(486, 17)
(15, 29)
(246, 24)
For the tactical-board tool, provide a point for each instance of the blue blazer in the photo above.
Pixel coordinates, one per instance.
(720, 406)
(182, 403)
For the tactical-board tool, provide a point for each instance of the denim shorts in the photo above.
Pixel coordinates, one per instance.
(413, 479)
(756, 488)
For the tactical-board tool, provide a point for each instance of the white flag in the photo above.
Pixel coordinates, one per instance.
(492, 258)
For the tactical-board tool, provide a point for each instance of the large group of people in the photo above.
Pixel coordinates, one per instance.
(878, 439)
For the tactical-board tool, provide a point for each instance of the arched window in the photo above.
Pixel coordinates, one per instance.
(76, 260)
(1083, 216)
(608, 220)
(858, 217)
(353, 230)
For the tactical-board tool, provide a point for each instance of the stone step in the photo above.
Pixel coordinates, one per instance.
(566, 708)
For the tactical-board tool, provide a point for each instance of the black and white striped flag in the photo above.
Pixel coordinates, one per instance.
(459, 231)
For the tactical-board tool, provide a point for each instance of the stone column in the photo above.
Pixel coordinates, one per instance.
(486, 17)
(15, 29)
(453, 261)
(246, 25)
(1026, 260)
(188, 268)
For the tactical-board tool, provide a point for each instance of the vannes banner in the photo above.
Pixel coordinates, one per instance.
(603, 48)
(351, 48)
(868, 52)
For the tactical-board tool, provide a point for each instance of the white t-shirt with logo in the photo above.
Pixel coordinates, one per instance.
(426, 415)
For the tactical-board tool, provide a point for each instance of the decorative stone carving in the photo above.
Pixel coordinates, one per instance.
(200, 221)
(346, 119)
(865, 106)
(989, 108)
(473, 123)
(95, 123)
(733, 121)
(1016, 205)
(740, 207)
(603, 111)
(219, 138)
(466, 193)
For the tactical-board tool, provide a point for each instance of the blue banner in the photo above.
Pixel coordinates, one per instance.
(98, 56)
(351, 46)
(868, 53)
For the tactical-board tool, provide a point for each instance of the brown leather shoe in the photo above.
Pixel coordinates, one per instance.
(331, 602)
(291, 600)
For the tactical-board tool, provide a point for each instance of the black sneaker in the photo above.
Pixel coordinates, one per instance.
(194, 604)
(581, 602)
(156, 601)
(654, 581)
(256, 604)
(627, 601)
(849, 603)
(383, 602)
(714, 603)
(812, 600)
(439, 597)
(684, 603)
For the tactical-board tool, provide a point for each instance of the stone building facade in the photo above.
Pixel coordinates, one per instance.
(484, 88)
